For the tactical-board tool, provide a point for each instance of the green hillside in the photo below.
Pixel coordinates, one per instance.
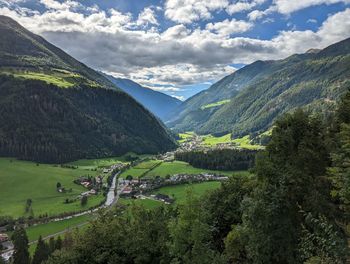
(55, 109)
(313, 81)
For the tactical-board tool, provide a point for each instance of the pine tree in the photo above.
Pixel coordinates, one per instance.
(20, 242)
(291, 179)
(41, 252)
(52, 245)
(340, 170)
(58, 243)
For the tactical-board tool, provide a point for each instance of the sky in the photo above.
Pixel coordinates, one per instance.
(181, 47)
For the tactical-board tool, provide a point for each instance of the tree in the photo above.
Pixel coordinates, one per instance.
(42, 252)
(58, 244)
(52, 245)
(223, 207)
(291, 179)
(28, 205)
(340, 169)
(190, 235)
(20, 242)
(129, 178)
(58, 185)
(84, 200)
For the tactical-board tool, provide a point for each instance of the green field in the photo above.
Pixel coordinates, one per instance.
(22, 180)
(178, 192)
(147, 203)
(155, 168)
(52, 228)
(44, 230)
(92, 164)
(140, 169)
(215, 104)
(211, 140)
(185, 136)
(243, 142)
(178, 167)
(56, 79)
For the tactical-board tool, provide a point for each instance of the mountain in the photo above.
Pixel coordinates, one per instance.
(257, 94)
(55, 109)
(158, 103)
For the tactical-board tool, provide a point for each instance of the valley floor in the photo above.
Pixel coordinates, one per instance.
(22, 181)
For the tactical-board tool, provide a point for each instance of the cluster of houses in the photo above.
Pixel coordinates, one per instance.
(143, 185)
(117, 166)
(94, 184)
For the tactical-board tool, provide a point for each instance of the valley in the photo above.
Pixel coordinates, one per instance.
(95, 167)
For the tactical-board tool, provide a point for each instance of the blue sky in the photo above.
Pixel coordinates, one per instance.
(181, 47)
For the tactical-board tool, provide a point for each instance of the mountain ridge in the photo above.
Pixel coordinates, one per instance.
(274, 83)
(158, 103)
(55, 109)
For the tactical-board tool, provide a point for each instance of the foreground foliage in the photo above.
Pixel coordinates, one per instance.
(292, 211)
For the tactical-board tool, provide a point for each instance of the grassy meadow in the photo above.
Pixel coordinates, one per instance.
(215, 104)
(243, 142)
(56, 79)
(140, 169)
(22, 180)
(147, 203)
(155, 168)
(185, 136)
(44, 230)
(178, 192)
(178, 167)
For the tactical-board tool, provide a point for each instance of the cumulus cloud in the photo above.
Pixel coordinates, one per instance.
(55, 5)
(187, 11)
(258, 14)
(146, 17)
(109, 41)
(241, 6)
(290, 6)
(228, 27)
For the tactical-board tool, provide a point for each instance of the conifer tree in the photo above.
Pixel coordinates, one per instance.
(20, 242)
(41, 252)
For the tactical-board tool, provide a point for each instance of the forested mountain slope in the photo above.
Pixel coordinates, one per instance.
(262, 91)
(158, 103)
(55, 109)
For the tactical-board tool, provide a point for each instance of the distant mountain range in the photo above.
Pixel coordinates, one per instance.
(250, 99)
(158, 103)
(55, 109)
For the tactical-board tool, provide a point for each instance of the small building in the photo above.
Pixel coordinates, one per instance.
(127, 190)
(4, 237)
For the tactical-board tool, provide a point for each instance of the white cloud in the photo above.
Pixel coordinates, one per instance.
(241, 6)
(228, 27)
(108, 41)
(258, 14)
(311, 20)
(290, 6)
(187, 11)
(146, 17)
(55, 5)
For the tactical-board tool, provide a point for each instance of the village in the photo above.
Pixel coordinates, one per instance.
(142, 187)
(196, 143)
(94, 185)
